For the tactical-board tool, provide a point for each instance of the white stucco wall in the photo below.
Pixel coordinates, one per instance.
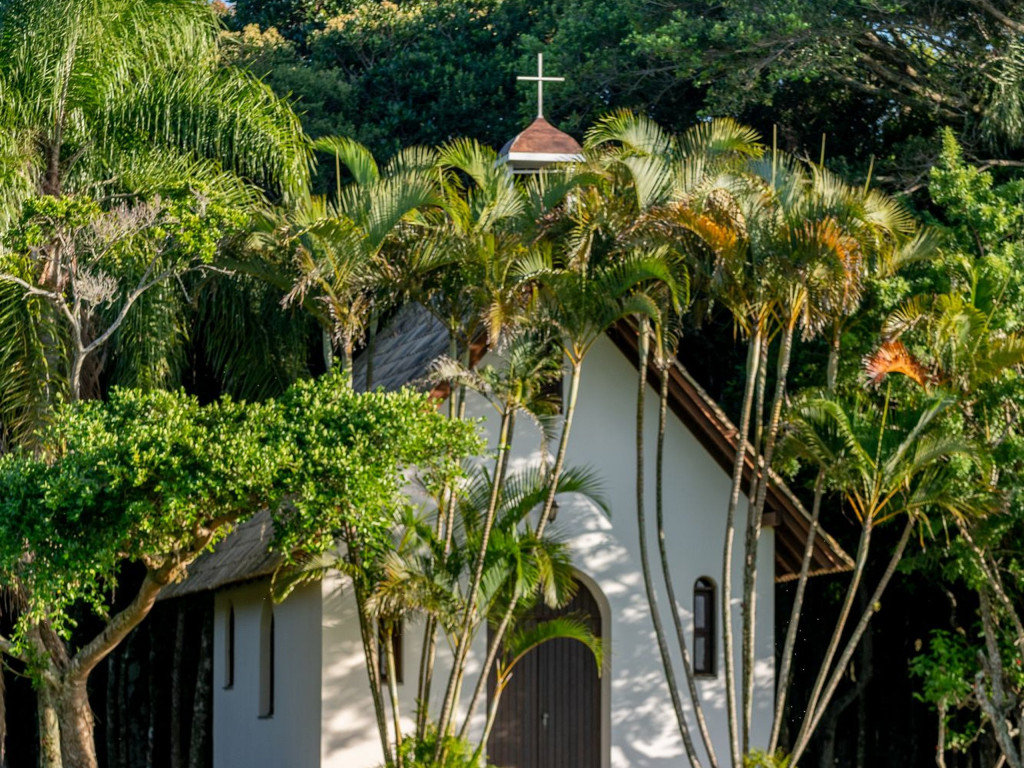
(349, 729)
(643, 725)
(291, 736)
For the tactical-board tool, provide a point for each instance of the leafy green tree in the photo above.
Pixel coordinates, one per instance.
(156, 478)
(422, 73)
(877, 78)
(965, 335)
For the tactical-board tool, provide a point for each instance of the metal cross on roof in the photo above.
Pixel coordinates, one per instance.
(540, 79)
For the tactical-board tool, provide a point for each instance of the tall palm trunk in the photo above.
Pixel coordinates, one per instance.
(641, 521)
(753, 357)
(396, 714)
(370, 652)
(815, 712)
(754, 521)
(796, 612)
(492, 653)
(444, 531)
(464, 638)
(860, 563)
(666, 571)
(575, 371)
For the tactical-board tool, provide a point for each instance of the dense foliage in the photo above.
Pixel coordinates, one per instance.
(157, 228)
(879, 80)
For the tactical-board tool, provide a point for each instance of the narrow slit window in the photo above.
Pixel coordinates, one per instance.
(267, 660)
(229, 647)
(704, 627)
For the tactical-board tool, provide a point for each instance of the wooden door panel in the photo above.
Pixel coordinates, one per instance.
(550, 713)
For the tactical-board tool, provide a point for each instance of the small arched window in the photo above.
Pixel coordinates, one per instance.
(704, 627)
(229, 647)
(267, 660)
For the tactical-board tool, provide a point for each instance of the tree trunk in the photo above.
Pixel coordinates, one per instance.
(796, 613)
(462, 644)
(177, 758)
(492, 654)
(368, 635)
(755, 510)
(200, 744)
(813, 716)
(76, 726)
(830, 722)
(396, 714)
(684, 650)
(645, 565)
(485, 671)
(753, 357)
(49, 728)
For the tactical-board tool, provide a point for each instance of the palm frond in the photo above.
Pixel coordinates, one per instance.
(570, 627)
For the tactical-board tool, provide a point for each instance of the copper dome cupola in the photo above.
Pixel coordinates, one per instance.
(541, 144)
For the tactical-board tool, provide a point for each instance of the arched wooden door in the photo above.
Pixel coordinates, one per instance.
(550, 713)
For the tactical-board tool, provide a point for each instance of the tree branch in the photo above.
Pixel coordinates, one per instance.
(30, 290)
(124, 622)
(7, 648)
(907, 83)
(133, 296)
(1012, 24)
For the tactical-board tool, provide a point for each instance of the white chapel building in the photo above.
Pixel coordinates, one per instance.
(290, 687)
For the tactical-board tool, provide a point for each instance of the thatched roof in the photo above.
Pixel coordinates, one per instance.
(242, 555)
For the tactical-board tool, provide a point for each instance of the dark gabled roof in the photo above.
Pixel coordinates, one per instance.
(404, 352)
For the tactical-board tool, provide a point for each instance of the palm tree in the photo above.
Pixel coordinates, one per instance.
(468, 271)
(342, 250)
(664, 177)
(839, 238)
(817, 236)
(887, 463)
(516, 385)
(525, 570)
(427, 575)
(962, 344)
